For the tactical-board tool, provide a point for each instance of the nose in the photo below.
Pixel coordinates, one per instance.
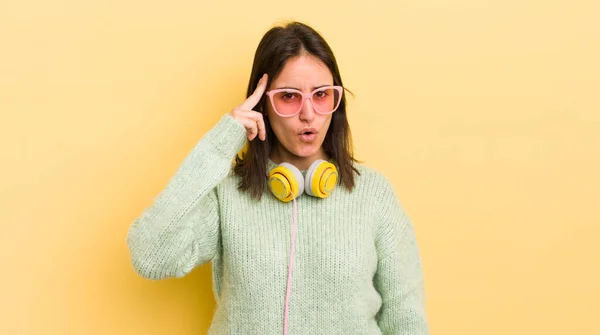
(307, 111)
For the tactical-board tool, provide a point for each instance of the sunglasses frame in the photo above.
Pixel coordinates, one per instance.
(305, 96)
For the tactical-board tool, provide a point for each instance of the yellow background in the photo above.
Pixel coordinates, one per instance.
(484, 114)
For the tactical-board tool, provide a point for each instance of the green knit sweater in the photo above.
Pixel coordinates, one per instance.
(356, 265)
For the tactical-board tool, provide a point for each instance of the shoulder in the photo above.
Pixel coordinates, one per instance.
(373, 180)
(374, 189)
(392, 221)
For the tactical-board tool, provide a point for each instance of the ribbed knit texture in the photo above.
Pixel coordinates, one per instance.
(357, 267)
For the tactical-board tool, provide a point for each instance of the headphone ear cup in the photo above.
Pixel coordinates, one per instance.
(321, 178)
(285, 182)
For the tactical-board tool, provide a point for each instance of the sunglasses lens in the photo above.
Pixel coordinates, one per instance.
(287, 102)
(326, 100)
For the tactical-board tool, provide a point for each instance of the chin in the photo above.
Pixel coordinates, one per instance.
(307, 150)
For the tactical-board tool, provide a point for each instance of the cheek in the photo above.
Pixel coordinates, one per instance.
(279, 127)
(326, 124)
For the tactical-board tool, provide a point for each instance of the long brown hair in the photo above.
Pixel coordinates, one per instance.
(275, 48)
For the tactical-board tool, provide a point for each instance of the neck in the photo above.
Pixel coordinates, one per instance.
(280, 155)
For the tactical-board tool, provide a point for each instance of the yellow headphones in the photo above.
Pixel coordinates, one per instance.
(286, 181)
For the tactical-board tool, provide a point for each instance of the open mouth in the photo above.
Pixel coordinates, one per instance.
(308, 136)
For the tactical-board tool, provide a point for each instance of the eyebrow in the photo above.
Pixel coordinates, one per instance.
(294, 88)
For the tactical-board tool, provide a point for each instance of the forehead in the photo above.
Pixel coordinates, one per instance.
(303, 72)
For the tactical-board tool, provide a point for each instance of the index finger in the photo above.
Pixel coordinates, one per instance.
(258, 92)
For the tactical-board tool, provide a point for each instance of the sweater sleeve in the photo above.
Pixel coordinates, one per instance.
(399, 276)
(180, 229)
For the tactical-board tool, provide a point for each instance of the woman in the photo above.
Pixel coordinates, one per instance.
(302, 237)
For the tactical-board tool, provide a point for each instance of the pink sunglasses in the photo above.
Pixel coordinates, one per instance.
(288, 102)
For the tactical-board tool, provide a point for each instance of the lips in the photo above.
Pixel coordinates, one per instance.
(308, 130)
(308, 135)
(308, 138)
